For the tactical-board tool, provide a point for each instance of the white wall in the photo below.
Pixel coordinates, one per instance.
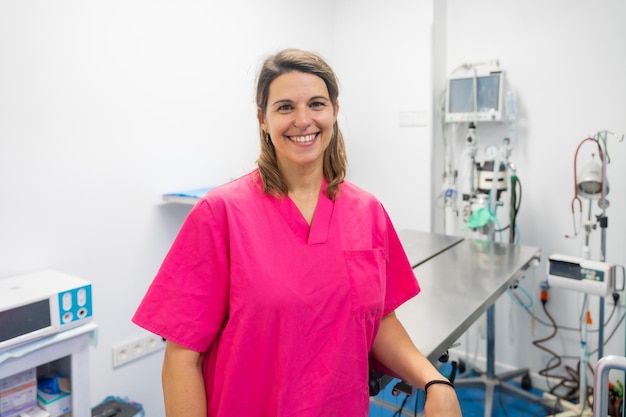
(383, 55)
(565, 60)
(104, 106)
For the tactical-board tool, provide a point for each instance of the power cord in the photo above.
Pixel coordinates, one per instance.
(545, 372)
(570, 382)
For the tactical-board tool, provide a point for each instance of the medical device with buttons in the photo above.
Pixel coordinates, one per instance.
(40, 304)
(580, 274)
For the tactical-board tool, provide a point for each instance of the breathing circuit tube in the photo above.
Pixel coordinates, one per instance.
(514, 206)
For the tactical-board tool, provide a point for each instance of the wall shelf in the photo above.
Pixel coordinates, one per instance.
(186, 197)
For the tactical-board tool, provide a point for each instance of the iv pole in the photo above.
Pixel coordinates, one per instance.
(603, 203)
(585, 318)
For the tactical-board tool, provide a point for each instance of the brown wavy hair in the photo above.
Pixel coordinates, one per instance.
(335, 160)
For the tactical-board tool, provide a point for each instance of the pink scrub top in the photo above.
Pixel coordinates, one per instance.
(286, 312)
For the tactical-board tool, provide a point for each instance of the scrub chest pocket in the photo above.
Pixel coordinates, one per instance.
(366, 269)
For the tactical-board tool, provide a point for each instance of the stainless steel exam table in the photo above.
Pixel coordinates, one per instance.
(461, 279)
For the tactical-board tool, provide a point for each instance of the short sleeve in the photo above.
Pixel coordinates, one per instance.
(401, 284)
(187, 302)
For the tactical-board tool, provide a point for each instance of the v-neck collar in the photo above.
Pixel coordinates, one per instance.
(317, 232)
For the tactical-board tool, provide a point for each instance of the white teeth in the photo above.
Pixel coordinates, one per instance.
(301, 139)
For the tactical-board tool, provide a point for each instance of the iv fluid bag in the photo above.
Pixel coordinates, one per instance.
(510, 104)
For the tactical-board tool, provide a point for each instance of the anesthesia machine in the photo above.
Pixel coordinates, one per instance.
(477, 96)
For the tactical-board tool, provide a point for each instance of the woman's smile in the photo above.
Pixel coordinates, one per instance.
(303, 138)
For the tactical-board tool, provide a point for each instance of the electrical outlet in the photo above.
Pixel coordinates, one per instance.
(136, 348)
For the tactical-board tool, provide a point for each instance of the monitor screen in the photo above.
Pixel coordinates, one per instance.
(483, 105)
(25, 319)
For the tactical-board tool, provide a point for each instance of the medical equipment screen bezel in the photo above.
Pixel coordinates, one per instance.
(489, 97)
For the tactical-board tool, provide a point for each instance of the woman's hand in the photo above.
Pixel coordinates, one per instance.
(395, 350)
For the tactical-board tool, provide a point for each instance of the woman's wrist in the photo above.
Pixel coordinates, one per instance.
(437, 382)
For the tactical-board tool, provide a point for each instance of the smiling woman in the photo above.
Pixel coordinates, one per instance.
(322, 99)
(298, 124)
(282, 284)
(299, 121)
